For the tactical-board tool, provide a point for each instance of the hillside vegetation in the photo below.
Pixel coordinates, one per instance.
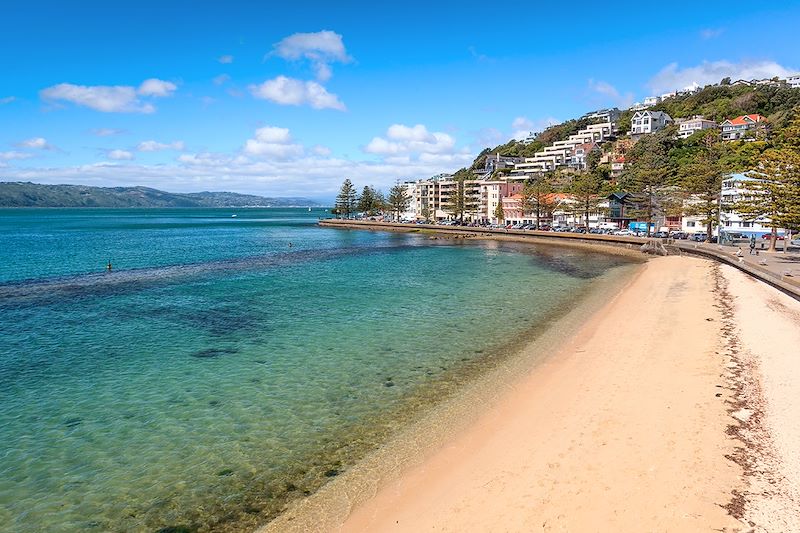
(19, 194)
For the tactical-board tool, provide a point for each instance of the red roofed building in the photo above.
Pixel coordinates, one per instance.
(742, 127)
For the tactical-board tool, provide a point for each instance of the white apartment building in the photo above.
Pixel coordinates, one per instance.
(734, 189)
(688, 126)
(793, 81)
(646, 122)
(561, 153)
(650, 101)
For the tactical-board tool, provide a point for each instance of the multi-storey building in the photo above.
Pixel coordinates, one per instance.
(737, 188)
(793, 81)
(646, 122)
(688, 126)
(561, 153)
(745, 126)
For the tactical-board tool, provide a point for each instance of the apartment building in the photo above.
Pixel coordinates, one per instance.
(735, 189)
(562, 153)
(793, 81)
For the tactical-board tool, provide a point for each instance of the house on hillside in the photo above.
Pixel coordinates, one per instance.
(793, 81)
(650, 101)
(688, 126)
(617, 166)
(578, 159)
(745, 126)
(646, 122)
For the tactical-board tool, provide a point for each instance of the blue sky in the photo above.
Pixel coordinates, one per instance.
(291, 99)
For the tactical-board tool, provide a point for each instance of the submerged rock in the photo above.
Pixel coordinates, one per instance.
(213, 352)
(72, 422)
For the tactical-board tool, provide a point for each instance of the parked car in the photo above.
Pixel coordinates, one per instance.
(769, 236)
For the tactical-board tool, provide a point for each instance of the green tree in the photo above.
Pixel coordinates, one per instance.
(649, 175)
(587, 188)
(499, 214)
(399, 200)
(457, 202)
(702, 178)
(537, 196)
(346, 200)
(774, 193)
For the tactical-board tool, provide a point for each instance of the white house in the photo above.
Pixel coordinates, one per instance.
(688, 126)
(646, 122)
(793, 81)
(652, 100)
(740, 127)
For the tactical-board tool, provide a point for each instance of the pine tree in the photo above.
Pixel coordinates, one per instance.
(774, 193)
(587, 188)
(367, 201)
(457, 203)
(702, 178)
(649, 174)
(537, 196)
(499, 213)
(346, 199)
(399, 200)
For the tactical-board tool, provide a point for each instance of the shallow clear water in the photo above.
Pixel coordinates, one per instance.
(216, 372)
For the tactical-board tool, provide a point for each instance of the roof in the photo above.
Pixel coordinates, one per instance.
(745, 119)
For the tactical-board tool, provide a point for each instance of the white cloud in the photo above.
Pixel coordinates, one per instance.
(711, 33)
(153, 146)
(7, 100)
(221, 79)
(671, 77)
(273, 142)
(120, 155)
(157, 88)
(402, 139)
(38, 143)
(323, 151)
(321, 48)
(8, 156)
(107, 132)
(610, 94)
(110, 99)
(290, 91)
(225, 60)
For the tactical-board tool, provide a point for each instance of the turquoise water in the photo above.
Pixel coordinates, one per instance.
(217, 373)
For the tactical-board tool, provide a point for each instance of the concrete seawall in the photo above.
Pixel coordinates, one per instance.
(786, 284)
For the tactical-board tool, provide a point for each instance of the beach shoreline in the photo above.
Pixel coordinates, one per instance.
(412, 445)
(681, 423)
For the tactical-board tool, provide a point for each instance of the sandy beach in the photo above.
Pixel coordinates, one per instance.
(668, 410)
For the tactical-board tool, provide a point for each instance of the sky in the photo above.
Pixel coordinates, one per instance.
(291, 99)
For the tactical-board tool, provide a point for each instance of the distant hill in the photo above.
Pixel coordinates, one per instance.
(26, 194)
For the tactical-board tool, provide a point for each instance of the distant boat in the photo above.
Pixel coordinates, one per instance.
(234, 216)
(309, 209)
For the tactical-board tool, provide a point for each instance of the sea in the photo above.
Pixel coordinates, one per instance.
(232, 361)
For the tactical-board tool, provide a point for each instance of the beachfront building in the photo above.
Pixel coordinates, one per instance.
(689, 126)
(743, 127)
(735, 189)
(646, 122)
(492, 194)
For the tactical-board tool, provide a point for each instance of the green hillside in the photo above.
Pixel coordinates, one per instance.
(19, 194)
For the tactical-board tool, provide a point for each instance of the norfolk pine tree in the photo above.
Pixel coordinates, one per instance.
(399, 200)
(537, 196)
(702, 178)
(346, 199)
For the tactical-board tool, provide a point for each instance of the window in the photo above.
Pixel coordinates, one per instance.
(690, 224)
